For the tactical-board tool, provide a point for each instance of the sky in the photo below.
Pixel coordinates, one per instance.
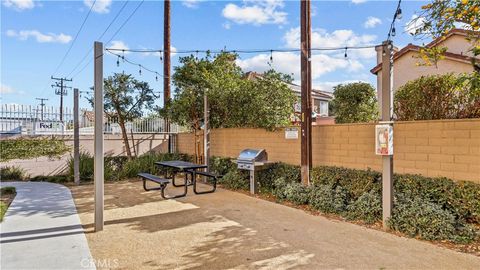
(39, 39)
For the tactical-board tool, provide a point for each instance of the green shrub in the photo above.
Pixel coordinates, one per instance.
(266, 178)
(7, 190)
(52, 178)
(356, 182)
(87, 165)
(27, 148)
(460, 198)
(294, 192)
(221, 165)
(12, 173)
(327, 199)
(416, 216)
(235, 180)
(368, 208)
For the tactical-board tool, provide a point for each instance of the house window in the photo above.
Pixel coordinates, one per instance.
(323, 108)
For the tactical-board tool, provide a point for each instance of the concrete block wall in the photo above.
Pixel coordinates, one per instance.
(449, 148)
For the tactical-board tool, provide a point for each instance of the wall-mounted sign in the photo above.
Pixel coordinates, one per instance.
(384, 140)
(291, 133)
(48, 126)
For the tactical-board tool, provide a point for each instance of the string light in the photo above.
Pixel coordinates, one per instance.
(346, 52)
(118, 61)
(393, 32)
(396, 15)
(271, 55)
(140, 70)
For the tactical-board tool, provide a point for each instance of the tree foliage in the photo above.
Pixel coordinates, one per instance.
(354, 102)
(439, 97)
(234, 101)
(440, 16)
(125, 99)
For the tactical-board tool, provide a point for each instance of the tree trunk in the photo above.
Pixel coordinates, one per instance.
(125, 137)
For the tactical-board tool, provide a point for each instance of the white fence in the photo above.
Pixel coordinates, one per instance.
(35, 120)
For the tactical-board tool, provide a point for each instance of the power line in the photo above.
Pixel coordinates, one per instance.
(136, 64)
(99, 38)
(118, 30)
(75, 38)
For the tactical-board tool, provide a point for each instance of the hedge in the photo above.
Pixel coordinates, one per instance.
(25, 148)
(428, 208)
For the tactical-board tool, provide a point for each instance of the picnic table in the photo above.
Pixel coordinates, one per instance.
(188, 168)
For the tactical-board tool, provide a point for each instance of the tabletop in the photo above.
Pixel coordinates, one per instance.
(179, 164)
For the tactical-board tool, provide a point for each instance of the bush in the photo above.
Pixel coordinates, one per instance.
(12, 173)
(25, 148)
(221, 165)
(87, 166)
(294, 192)
(446, 96)
(356, 182)
(7, 190)
(367, 208)
(354, 102)
(266, 178)
(51, 178)
(460, 198)
(419, 217)
(236, 180)
(328, 199)
(146, 163)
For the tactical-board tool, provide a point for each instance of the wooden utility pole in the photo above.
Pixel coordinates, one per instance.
(387, 116)
(98, 169)
(166, 66)
(42, 105)
(76, 138)
(61, 91)
(306, 88)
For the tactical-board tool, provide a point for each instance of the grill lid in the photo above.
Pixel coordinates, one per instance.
(253, 155)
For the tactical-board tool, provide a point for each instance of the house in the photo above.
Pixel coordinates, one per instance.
(320, 101)
(457, 59)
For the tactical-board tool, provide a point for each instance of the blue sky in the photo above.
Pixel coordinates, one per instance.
(35, 35)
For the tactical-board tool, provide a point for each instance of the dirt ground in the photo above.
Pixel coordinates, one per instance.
(230, 230)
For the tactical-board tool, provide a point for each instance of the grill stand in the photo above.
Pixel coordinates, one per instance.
(253, 183)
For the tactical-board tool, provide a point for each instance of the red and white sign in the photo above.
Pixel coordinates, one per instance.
(384, 140)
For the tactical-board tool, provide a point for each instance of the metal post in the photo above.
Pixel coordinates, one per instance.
(76, 138)
(306, 99)
(386, 116)
(98, 134)
(206, 132)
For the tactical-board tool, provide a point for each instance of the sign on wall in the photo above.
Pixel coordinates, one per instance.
(48, 127)
(291, 133)
(384, 140)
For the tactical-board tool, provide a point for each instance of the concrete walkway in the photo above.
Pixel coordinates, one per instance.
(229, 230)
(41, 230)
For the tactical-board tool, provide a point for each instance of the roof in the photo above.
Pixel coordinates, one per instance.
(415, 48)
(316, 94)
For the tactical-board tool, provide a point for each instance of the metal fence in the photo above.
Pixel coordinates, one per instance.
(37, 120)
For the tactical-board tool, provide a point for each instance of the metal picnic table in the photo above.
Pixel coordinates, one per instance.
(187, 168)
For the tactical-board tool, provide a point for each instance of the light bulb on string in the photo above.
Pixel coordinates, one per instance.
(393, 31)
(140, 70)
(123, 56)
(118, 61)
(346, 52)
(156, 76)
(271, 55)
(399, 14)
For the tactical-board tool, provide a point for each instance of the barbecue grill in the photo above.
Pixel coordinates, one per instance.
(252, 160)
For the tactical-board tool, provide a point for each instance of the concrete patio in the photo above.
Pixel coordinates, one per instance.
(230, 230)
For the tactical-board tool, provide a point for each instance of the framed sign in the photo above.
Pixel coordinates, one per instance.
(291, 133)
(384, 140)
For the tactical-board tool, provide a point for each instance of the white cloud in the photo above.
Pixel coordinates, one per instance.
(173, 52)
(321, 38)
(101, 6)
(371, 22)
(119, 45)
(414, 24)
(359, 1)
(19, 4)
(289, 63)
(227, 25)
(191, 3)
(256, 12)
(5, 89)
(39, 37)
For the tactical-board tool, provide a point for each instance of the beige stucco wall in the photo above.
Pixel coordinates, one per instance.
(457, 44)
(449, 148)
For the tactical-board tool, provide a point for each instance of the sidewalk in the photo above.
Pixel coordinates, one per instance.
(41, 230)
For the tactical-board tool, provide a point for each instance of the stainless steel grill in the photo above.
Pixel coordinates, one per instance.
(252, 160)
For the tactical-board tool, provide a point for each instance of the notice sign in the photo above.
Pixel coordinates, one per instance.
(48, 127)
(291, 133)
(384, 140)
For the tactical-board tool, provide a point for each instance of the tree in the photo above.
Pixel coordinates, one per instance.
(440, 16)
(125, 99)
(354, 102)
(438, 97)
(265, 102)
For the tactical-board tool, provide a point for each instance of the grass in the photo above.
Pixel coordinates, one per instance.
(6, 197)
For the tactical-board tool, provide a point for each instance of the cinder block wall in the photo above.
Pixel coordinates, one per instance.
(449, 148)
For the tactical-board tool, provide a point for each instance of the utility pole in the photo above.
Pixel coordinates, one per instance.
(42, 105)
(306, 88)
(61, 92)
(166, 65)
